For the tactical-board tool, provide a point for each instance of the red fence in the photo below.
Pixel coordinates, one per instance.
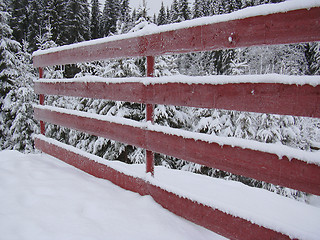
(294, 26)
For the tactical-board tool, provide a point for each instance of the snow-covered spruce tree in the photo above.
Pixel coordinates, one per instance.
(19, 20)
(8, 72)
(26, 21)
(282, 59)
(124, 11)
(19, 103)
(77, 28)
(162, 17)
(36, 16)
(125, 21)
(17, 111)
(184, 10)
(95, 19)
(174, 12)
(312, 55)
(55, 16)
(110, 16)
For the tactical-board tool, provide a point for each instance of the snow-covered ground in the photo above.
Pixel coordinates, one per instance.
(44, 198)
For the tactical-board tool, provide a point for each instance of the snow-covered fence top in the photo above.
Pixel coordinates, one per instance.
(270, 93)
(289, 22)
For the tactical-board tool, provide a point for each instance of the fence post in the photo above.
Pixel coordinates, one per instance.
(149, 117)
(41, 101)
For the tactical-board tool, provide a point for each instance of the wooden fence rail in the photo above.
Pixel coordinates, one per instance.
(264, 94)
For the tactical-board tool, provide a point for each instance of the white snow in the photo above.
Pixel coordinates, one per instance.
(44, 198)
(27, 196)
(213, 79)
(277, 149)
(296, 219)
(244, 13)
(136, 170)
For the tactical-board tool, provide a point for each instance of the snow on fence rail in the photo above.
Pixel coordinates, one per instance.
(287, 22)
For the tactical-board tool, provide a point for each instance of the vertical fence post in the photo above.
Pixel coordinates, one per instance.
(149, 117)
(41, 101)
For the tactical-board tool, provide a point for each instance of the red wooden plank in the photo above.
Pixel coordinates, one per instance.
(252, 97)
(262, 166)
(279, 28)
(118, 132)
(212, 219)
(99, 90)
(41, 101)
(273, 98)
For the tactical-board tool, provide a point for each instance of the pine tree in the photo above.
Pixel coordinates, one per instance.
(44, 41)
(56, 16)
(8, 60)
(110, 15)
(184, 11)
(312, 55)
(95, 19)
(17, 96)
(77, 28)
(174, 12)
(36, 18)
(124, 11)
(27, 20)
(19, 21)
(125, 21)
(161, 20)
(197, 9)
(134, 15)
(231, 6)
(142, 12)
(168, 15)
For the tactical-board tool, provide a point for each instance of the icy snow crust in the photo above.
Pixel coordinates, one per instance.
(244, 13)
(277, 149)
(43, 198)
(296, 219)
(213, 79)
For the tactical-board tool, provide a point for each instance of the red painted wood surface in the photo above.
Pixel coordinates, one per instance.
(118, 132)
(149, 117)
(279, 28)
(252, 97)
(213, 219)
(41, 101)
(262, 166)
